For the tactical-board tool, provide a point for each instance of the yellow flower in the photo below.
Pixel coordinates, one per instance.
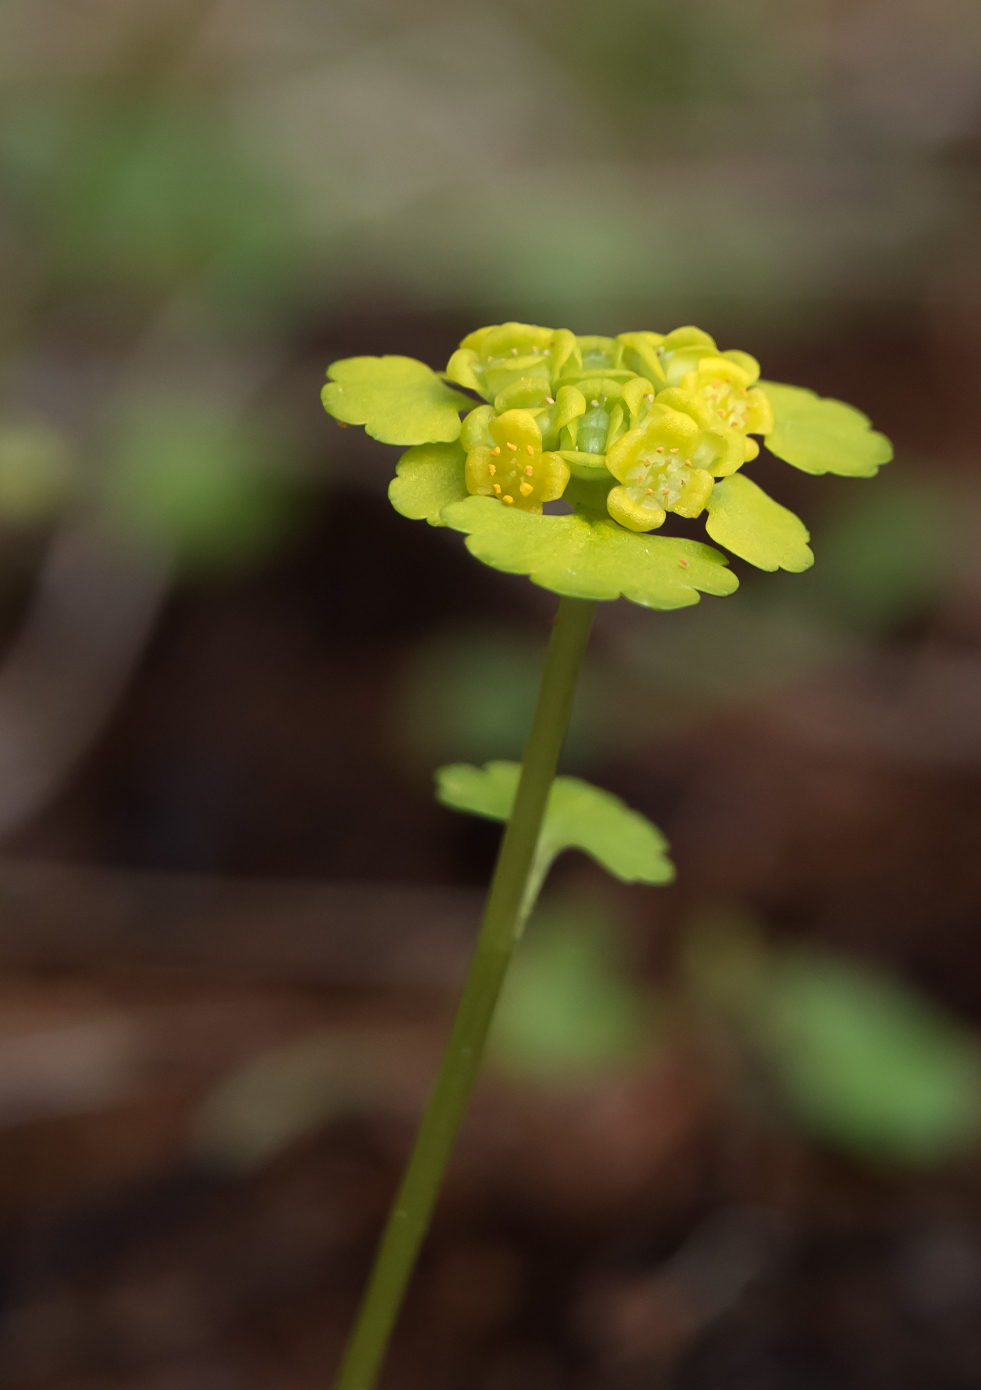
(726, 387)
(505, 460)
(656, 467)
(492, 359)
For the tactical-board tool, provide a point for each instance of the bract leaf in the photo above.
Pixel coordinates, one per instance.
(590, 558)
(578, 816)
(749, 523)
(428, 478)
(820, 435)
(397, 399)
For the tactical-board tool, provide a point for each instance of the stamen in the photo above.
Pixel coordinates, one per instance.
(659, 449)
(514, 352)
(497, 489)
(683, 564)
(528, 470)
(512, 447)
(594, 403)
(507, 498)
(674, 451)
(529, 449)
(492, 469)
(496, 451)
(525, 489)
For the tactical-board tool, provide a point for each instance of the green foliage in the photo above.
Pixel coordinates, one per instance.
(470, 694)
(750, 524)
(819, 435)
(428, 478)
(589, 558)
(578, 816)
(568, 1007)
(869, 1063)
(397, 399)
(888, 556)
(185, 478)
(861, 1059)
(36, 473)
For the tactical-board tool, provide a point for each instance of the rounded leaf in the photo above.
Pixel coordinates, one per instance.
(397, 399)
(428, 478)
(749, 523)
(590, 558)
(820, 435)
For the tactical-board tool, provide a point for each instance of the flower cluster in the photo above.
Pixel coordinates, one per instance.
(663, 415)
(623, 429)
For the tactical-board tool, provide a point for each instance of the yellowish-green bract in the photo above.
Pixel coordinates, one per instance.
(625, 429)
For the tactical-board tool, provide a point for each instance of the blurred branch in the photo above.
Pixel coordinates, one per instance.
(96, 602)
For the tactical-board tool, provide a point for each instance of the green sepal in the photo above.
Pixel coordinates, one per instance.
(590, 557)
(397, 399)
(749, 523)
(428, 478)
(578, 816)
(820, 435)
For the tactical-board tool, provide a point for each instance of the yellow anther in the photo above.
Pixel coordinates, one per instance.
(496, 451)
(497, 488)
(507, 498)
(492, 469)
(594, 403)
(528, 470)
(512, 447)
(525, 489)
(529, 449)
(674, 451)
(514, 352)
(549, 400)
(650, 490)
(659, 449)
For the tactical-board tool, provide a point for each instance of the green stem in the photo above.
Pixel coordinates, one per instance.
(507, 905)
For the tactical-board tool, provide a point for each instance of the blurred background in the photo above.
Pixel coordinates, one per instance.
(730, 1132)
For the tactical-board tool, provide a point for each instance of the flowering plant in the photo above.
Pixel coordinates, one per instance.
(618, 432)
(623, 430)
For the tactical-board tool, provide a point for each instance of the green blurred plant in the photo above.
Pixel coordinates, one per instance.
(845, 1051)
(624, 430)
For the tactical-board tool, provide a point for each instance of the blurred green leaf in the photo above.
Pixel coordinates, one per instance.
(862, 1060)
(888, 555)
(470, 694)
(397, 399)
(184, 476)
(590, 558)
(578, 816)
(568, 1007)
(428, 478)
(127, 184)
(749, 523)
(36, 473)
(819, 435)
(869, 1063)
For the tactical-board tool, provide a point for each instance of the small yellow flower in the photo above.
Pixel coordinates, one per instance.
(727, 389)
(492, 359)
(511, 466)
(656, 467)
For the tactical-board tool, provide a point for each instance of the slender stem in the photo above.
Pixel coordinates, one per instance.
(507, 906)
